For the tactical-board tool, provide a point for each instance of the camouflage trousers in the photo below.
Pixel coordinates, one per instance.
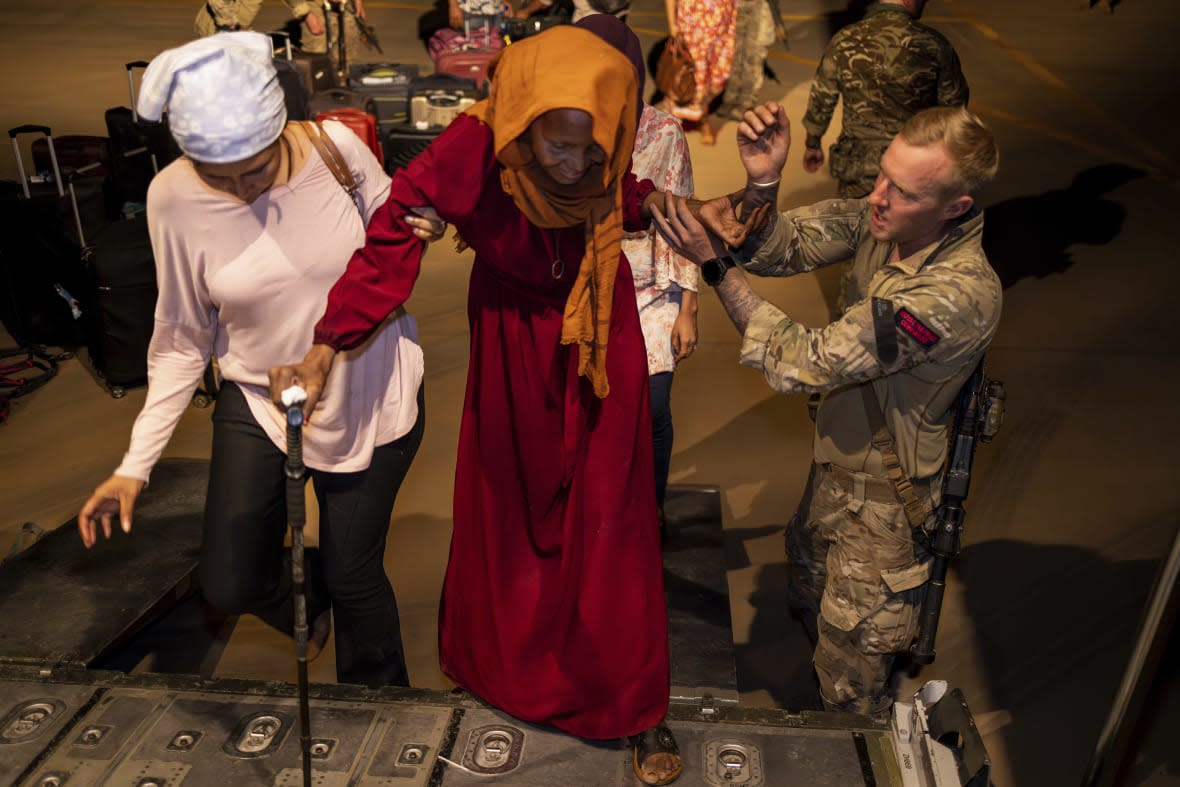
(854, 163)
(753, 35)
(853, 562)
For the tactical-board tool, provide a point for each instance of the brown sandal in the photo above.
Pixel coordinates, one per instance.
(655, 748)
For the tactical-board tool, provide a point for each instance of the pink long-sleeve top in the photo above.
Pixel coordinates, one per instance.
(248, 282)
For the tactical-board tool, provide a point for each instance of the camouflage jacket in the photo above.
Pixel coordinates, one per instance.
(946, 305)
(887, 67)
(225, 14)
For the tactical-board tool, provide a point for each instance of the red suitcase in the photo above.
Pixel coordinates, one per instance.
(363, 125)
(467, 63)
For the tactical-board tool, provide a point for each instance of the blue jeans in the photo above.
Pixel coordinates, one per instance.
(661, 429)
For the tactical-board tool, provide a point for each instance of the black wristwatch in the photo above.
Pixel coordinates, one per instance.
(714, 270)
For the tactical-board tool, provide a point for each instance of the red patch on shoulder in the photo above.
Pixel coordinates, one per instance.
(915, 328)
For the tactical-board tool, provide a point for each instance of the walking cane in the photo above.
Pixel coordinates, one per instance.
(293, 399)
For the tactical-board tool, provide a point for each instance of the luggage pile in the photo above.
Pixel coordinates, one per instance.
(76, 265)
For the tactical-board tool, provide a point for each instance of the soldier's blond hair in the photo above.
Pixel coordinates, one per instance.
(971, 145)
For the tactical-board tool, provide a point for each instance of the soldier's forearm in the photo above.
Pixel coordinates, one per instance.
(738, 298)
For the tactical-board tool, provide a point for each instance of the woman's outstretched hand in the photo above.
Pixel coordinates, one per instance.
(115, 496)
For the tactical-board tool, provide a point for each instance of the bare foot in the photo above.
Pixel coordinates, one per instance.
(708, 135)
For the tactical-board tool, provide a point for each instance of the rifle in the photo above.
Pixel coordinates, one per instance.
(978, 415)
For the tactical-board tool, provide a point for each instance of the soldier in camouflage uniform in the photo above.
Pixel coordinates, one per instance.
(922, 306)
(886, 67)
(218, 15)
(753, 36)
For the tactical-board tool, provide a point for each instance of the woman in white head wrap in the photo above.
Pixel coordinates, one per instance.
(249, 230)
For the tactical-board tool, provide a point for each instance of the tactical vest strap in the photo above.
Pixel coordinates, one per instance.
(916, 510)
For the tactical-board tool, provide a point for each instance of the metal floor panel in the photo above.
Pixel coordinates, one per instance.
(155, 737)
(156, 731)
(31, 717)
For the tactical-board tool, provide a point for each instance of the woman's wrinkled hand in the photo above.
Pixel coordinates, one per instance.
(426, 224)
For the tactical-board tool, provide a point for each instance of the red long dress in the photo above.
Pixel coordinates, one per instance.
(553, 606)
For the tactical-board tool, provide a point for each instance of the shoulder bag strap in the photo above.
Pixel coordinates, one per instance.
(331, 156)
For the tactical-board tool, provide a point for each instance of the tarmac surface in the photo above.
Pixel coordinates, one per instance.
(1073, 506)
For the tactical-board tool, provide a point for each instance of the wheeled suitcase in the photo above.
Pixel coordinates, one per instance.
(139, 148)
(74, 151)
(42, 282)
(295, 92)
(402, 142)
(468, 63)
(362, 124)
(341, 98)
(318, 74)
(389, 86)
(467, 55)
(122, 277)
(438, 99)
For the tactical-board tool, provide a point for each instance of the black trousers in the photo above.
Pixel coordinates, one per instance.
(245, 567)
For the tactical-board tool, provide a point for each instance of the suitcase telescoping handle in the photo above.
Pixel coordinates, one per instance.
(286, 42)
(134, 64)
(13, 133)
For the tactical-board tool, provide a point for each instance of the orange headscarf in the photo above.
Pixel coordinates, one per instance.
(569, 68)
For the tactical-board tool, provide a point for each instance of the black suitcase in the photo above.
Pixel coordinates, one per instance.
(317, 70)
(74, 152)
(42, 281)
(139, 148)
(388, 84)
(401, 142)
(341, 98)
(122, 278)
(296, 90)
(295, 93)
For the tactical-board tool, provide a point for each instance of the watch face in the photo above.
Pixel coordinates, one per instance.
(713, 271)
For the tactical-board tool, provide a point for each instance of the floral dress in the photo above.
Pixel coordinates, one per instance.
(661, 155)
(707, 30)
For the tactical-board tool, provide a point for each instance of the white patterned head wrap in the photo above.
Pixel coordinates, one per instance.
(222, 94)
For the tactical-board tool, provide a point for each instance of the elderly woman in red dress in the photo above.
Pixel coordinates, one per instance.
(553, 605)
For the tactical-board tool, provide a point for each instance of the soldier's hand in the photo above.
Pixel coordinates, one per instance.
(360, 8)
(315, 25)
(813, 159)
(687, 236)
(764, 139)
